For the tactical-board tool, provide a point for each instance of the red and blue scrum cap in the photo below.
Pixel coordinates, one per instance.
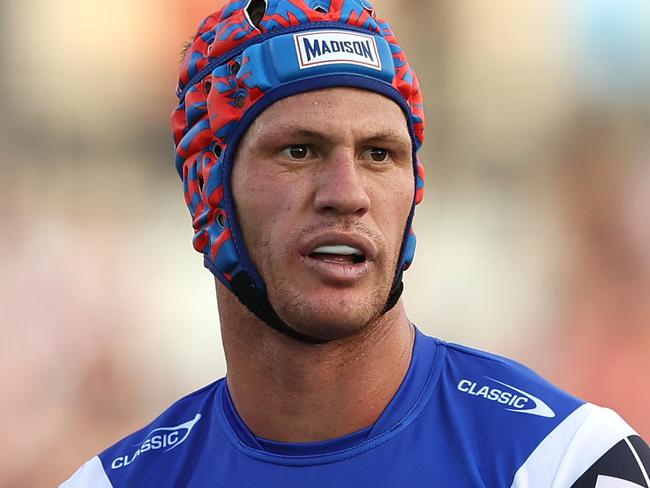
(245, 57)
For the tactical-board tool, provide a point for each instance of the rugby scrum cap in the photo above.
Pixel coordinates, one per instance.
(243, 58)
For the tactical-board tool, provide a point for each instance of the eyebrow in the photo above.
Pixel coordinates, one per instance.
(304, 133)
(390, 136)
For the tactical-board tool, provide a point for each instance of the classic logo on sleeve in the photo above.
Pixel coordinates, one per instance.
(162, 438)
(515, 399)
(318, 48)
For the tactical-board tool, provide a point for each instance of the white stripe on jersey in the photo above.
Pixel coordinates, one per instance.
(609, 482)
(572, 447)
(90, 475)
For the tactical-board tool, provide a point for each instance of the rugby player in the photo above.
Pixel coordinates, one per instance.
(297, 136)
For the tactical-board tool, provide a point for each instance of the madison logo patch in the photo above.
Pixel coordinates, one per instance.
(514, 399)
(162, 438)
(318, 48)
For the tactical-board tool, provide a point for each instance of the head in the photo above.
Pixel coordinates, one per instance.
(296, 138)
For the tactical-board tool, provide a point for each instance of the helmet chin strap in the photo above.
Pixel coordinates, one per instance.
(248, 294)
(245, 290)
(394, 295)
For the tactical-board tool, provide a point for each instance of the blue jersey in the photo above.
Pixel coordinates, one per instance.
(461, 418)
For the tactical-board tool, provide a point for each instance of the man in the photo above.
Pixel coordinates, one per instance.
(296, 139)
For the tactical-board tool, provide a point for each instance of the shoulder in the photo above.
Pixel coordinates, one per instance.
(553, 438)
(592, 447)
(179, 424)
(492, 383)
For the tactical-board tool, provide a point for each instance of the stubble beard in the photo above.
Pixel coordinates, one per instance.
(330, 321)
(327, 321)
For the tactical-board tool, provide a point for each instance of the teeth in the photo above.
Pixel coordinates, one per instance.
(338, 249)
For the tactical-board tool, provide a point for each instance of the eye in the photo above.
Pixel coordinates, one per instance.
(297, 151)
(378, 154)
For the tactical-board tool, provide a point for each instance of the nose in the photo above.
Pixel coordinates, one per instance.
(339, 186)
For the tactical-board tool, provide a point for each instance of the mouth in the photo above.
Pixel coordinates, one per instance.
(338, 254)
(339, 259)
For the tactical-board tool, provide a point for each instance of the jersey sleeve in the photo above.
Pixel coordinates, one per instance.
(592, 448)
(90, 475)
(626, 465)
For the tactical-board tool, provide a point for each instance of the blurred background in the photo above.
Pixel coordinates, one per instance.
(534, 236)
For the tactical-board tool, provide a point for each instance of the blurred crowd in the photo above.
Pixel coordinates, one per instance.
(534, 237)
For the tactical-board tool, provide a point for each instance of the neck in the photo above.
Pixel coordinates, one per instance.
(312, 392)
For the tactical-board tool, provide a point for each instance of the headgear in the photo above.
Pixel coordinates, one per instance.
(245, 57)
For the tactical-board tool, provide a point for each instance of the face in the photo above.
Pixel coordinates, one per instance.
(323, 185)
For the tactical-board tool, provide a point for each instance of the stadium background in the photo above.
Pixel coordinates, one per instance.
(534, 237)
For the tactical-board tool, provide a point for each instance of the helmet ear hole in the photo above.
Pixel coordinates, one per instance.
(207, 86)
(255, 11)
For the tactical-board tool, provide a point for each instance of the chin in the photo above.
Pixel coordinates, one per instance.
(329, 318)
